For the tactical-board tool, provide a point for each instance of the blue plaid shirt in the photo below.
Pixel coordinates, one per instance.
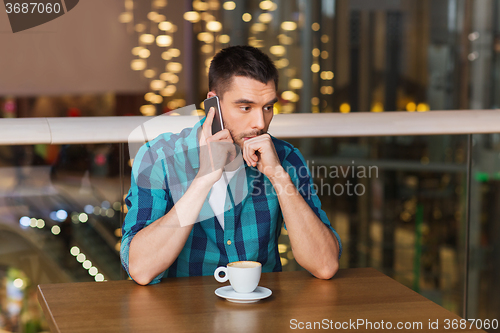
(164, 168)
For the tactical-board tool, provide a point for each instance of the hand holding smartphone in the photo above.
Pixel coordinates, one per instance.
(217, 124)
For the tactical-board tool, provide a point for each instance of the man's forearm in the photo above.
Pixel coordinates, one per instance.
(154, 248)
(314, 245)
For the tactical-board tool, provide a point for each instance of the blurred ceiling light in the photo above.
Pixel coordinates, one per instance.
(345, 108)
(138, 64)
(265, 17)
(229, 5)
(174, 52)
(325, 38)
(411, 107)
(160, 18)
(170, 90)
(224, 39)
(129, 4)
(149, 73)
(152, 16)
(277, 50)
(326, 90)
(315, 101)
(174, 67)
(207, 48)
(200, 6)
(290, 96)
(246, 17)
(287, 108)
(316, 52)
(74, 251)
(473, 56)
(136, 50)
(140, 27)
(208, 62)
(282, 63)
(166, 55)
(295, 84)
(266, 5)
(207, 17)
(258, 27)
(377, 107)
(473, 36)
(423, 107)
(214, 26)
(192, 16)
(285, 40)
(56, 230)
(144, 53)
(164, 40)
(148, 110)
(172, 78)
(149, 96)
(214, 5)
(81, 257)
(315, 26)
(125, 17)
(315, 68)
(288, 26)
(157, 85)
(156, 100)
(206, 37)
(147, 39)
(93, 271)
(326, 75)
(159, 3)
(324, 54)
(165, 26)
(258, 43)
(87, 264)
(172, 105)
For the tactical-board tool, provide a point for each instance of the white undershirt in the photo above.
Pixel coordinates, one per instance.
(217, 198)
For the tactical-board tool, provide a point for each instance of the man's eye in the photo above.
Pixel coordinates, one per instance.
(245, 108)
(269, 108)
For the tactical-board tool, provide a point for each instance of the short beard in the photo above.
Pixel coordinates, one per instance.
(239, 138)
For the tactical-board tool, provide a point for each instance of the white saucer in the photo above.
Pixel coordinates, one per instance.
(228, 293)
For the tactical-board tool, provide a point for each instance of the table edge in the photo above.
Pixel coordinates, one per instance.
(48, 314)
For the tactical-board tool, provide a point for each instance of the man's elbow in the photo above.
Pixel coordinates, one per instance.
(328, 271)
(138, 275)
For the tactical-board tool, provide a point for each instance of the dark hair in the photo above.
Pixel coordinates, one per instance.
(240, 60)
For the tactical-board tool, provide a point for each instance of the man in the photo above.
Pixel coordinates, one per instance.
(177, 178)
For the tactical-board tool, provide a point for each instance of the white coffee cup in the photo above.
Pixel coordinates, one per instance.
(244, 276)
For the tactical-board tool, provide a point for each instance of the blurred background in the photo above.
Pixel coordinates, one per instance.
(62, 205)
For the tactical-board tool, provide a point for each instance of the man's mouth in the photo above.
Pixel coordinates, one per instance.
(248, 137)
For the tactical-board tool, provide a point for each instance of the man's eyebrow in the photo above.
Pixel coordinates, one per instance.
(274, 100)
(247, 101)
(243, 101)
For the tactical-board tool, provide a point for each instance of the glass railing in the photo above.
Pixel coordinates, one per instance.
(401, 203)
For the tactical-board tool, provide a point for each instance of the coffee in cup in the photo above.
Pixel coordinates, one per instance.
(244, 276)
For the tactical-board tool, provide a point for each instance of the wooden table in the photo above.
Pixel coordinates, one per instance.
(354, 298)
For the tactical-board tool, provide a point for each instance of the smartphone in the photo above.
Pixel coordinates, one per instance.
(217, 124)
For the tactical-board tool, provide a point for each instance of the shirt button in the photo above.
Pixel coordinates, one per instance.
(228, 242)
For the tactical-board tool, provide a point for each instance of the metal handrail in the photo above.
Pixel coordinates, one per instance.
(86, 130)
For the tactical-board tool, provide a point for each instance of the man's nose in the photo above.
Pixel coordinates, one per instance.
(258, 121)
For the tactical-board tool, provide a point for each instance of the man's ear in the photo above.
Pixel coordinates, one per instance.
(211, 94)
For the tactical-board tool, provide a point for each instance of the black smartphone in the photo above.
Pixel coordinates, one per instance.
(217, 124)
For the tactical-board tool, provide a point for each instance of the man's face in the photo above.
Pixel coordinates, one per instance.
(247, 108)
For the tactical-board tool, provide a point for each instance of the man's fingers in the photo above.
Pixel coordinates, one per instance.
(207, 125)
(222, 135)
